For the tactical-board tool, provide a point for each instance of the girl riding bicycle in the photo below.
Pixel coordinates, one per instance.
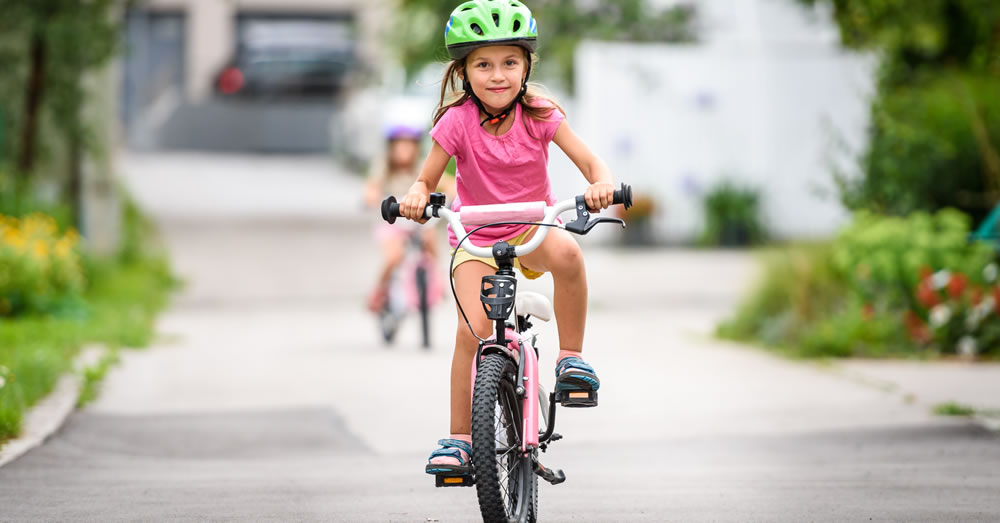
(392, 174)
(498, 128)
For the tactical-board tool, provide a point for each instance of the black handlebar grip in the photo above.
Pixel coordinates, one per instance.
(390, 209)
(623, 196)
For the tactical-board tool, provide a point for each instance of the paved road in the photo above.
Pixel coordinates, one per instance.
(268, 396)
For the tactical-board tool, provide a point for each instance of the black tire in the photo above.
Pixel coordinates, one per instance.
(388, 324)
(505, 481)
(425, 321)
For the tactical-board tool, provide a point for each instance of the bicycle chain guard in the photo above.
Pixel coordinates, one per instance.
(497, 294)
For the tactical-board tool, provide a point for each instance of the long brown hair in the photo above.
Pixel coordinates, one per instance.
(453, 95)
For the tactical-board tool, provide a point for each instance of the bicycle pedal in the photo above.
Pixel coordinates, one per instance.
(577, 398)
(441, 480)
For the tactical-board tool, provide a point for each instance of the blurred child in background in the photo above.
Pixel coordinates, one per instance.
(392, 175)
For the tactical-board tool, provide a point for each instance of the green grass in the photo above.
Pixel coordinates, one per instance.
(93, 376)
(953, 409)
(119, 311)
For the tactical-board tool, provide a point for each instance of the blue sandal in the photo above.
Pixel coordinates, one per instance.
(573, 374)
(451, 448)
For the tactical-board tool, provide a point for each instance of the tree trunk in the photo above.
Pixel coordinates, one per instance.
(32, 103)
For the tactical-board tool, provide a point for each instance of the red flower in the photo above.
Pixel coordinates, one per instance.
(916, 327)
(925, 273)
(926, 295)
(977, 295)
(957, 284)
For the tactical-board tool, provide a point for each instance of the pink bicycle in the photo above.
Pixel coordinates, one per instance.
(507, 398)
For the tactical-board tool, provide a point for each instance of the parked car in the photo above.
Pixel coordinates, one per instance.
(288, 57)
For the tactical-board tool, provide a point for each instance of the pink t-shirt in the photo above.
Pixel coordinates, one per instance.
(509, 168)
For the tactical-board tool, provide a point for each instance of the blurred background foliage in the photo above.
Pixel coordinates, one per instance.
(886, 286)
(903, 278)
(935, 130)
(732, 215)
(418, 32)
(46, 49)
(55, 294)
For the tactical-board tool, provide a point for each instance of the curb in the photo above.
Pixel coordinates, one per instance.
(47, 416)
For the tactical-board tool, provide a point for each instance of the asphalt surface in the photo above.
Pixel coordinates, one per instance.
(305, 465)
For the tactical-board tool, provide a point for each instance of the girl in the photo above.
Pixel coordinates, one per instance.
(498, 128)
(393, 174)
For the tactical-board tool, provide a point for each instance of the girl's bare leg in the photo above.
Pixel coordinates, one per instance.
(560, 255)
(393, 250)
(467, 284)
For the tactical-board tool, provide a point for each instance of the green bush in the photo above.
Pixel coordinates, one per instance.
(930, 142)
(865, 293)
(732, 216)
(40, 267)
(883, 256)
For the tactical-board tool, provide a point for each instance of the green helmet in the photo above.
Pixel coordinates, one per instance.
(489, 22)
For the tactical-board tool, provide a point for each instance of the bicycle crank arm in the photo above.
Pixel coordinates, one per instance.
(553, 476)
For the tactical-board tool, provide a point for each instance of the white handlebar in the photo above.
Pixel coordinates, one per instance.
(455, 219)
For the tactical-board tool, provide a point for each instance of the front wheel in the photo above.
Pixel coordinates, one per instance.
(505, 479)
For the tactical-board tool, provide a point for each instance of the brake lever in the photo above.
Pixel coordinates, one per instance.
(584, 223)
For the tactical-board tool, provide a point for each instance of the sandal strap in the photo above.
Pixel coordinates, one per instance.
(449, 452)
(572, 363)
(452, 448)
(456, 443)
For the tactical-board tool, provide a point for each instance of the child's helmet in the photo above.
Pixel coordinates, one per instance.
(403, 132)
(489, 22)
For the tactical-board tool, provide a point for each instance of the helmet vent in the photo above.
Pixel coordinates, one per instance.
(517, 25)
(496, 19)
(476, 29)
(467, 9)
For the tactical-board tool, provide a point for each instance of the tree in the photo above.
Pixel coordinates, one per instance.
(46, 48)
(418, 34)
(936, 117)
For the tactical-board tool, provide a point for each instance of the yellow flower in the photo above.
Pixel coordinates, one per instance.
(64, 247)
(40, 249)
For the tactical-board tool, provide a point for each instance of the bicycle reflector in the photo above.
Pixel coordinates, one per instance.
(497, 294)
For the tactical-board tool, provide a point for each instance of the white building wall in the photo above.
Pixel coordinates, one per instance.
(764, 99)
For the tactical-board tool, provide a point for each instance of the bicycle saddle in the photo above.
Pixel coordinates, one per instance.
(533, 304)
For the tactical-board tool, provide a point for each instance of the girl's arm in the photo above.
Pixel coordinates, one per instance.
(375, 182)
(601, 192)
(373, 191)
(413, 204)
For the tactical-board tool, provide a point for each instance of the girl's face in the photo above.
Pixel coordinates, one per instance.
(403, 153)
(495, 73)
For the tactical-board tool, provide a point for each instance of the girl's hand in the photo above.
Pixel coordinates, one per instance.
(599, 195)
(413, 204)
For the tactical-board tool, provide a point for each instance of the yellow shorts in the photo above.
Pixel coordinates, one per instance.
(463, 256)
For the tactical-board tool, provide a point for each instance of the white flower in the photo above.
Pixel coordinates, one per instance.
(967, 346)
(972, 319)
(986, 306)
(940, 315)
(940, 279)
(990, 273)
(979, 313)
